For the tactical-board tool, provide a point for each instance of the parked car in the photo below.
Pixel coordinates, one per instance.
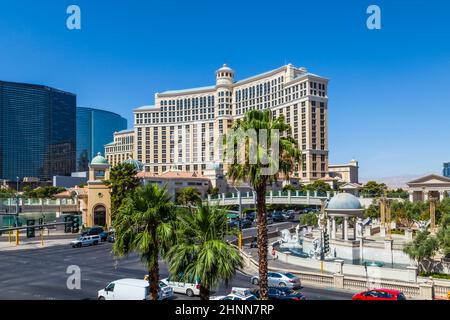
(104, 236)
(92, 231)
(269, 218)
(84, 241)
(246, 223)
(280, 279)
(379, 294)
(132, 289)
(236, 294)
(188, 288)
(251, 216)
(289, 215)
(277, 216)
(278, 293)
(111, 237)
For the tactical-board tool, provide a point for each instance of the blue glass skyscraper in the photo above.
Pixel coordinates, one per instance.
(37, 131)
(446, 170)
(95, 128)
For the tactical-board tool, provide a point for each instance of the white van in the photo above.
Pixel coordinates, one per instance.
(132, 289)
(189, 289)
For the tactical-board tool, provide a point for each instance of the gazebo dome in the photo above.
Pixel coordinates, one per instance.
(344, 201)
(139, 166)
(99, 159)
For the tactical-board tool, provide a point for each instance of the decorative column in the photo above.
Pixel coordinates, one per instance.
(333, 228)
(388, 218)
(432, 215)
(411, 195)
(441, 195)
(345, 228)
(329, 226)
(425, 195)
(382, 212)
(355, 225)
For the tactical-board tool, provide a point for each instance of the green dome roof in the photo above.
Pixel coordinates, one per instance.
(344, 201)
(99, 159)
(139, 166)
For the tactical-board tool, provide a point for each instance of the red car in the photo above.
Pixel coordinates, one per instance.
(380, 294)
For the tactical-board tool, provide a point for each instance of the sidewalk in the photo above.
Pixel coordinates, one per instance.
(54, 239)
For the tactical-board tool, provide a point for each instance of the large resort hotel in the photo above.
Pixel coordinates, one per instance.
(181, 131)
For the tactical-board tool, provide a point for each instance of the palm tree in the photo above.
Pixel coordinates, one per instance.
(201, 251)
(188, 197)
(144, 224)
(254, 174)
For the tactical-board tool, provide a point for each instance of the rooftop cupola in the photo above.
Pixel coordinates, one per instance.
(224, 76)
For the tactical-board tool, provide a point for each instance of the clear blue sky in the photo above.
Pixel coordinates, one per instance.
(389, 89)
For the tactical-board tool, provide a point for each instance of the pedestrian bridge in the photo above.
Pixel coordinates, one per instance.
(38, 205)
(272, 197)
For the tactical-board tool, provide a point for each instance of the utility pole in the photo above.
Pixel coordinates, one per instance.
(17, 210)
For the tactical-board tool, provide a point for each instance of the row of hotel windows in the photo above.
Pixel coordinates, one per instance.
(205, 101)
(245, 99)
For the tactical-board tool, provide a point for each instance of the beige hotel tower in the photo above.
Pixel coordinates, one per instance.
(182, 128)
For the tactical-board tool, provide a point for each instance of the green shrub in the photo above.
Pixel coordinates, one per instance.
(435, 275)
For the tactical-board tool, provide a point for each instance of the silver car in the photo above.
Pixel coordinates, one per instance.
(280, 279)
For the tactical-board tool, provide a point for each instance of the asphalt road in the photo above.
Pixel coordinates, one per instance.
(40, 274)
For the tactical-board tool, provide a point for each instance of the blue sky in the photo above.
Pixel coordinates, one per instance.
(389, 89)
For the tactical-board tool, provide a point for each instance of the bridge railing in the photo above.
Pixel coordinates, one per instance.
(271, 195)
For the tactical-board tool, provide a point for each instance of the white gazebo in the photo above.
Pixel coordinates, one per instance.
(347, 206)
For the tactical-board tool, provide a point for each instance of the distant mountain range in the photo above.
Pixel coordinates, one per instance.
(395, 182)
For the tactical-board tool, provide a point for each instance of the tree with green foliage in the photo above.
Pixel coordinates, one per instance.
(399, 193)
(373, 189)
(259, 175)
(213, 191)
(47, 192)
(373, 211)
(144, 224)
(122, 181)
(201, 251)
(188, 196)
(289, 187)
(319, 186)
(421, 250)
(408, 213)
(443, 235)
(309, 219)
(7, 192)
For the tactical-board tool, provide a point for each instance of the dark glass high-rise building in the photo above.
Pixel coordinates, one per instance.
(95, 128)
(446, 170)
(37, 131)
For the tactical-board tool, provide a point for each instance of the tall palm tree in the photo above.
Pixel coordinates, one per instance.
(144, 224)
(254, 173)
(201, 251)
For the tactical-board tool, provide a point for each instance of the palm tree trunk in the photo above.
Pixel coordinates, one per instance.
(153, 273)
(204, 293)
(262, 242)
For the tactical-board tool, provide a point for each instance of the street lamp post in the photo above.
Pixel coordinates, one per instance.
(17, 210)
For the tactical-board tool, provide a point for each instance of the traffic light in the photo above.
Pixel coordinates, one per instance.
(326, 242)
(75, 224)
(30, 228)
(41, 222)
(68, 226)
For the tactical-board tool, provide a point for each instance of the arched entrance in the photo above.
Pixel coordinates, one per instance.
(100, 216)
